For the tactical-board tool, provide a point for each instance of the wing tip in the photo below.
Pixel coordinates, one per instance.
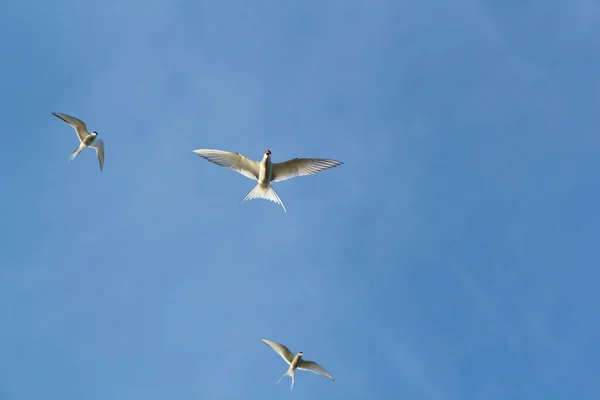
(203, 151)
(199, 152)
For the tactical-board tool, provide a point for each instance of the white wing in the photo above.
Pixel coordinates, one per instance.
(235, 161)
(98, 145)
(301, 166)
(77, 124)
(314, 367)
(280, 349)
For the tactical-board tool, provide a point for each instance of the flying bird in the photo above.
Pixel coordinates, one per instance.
(295, 362)
(265, 172)
(85, 139)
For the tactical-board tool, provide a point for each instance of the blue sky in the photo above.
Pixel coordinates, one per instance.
(450, 257)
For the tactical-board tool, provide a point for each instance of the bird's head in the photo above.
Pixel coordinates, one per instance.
(300, 353)
(94, 133)
(267, 152)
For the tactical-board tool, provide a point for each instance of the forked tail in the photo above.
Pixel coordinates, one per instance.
(259, 192)
(291, 373)
(77, 151)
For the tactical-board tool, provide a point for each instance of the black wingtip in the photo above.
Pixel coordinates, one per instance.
(59, 117)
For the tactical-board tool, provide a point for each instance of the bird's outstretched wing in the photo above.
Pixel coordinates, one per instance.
(98, 145)
(301, 166)
(280, 349)
(76, 123)
(235, 161)
(314, 367)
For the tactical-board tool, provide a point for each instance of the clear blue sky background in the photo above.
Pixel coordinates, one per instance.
(452, 256)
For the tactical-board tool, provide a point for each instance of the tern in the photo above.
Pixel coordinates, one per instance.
(295, 362)
(85, 139)
(265, 172)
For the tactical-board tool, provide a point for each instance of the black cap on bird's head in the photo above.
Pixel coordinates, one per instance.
(94, 133)
(268, 152)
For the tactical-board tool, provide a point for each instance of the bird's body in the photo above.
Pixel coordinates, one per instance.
(85, 139)
(295, 362)
(265, 172)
